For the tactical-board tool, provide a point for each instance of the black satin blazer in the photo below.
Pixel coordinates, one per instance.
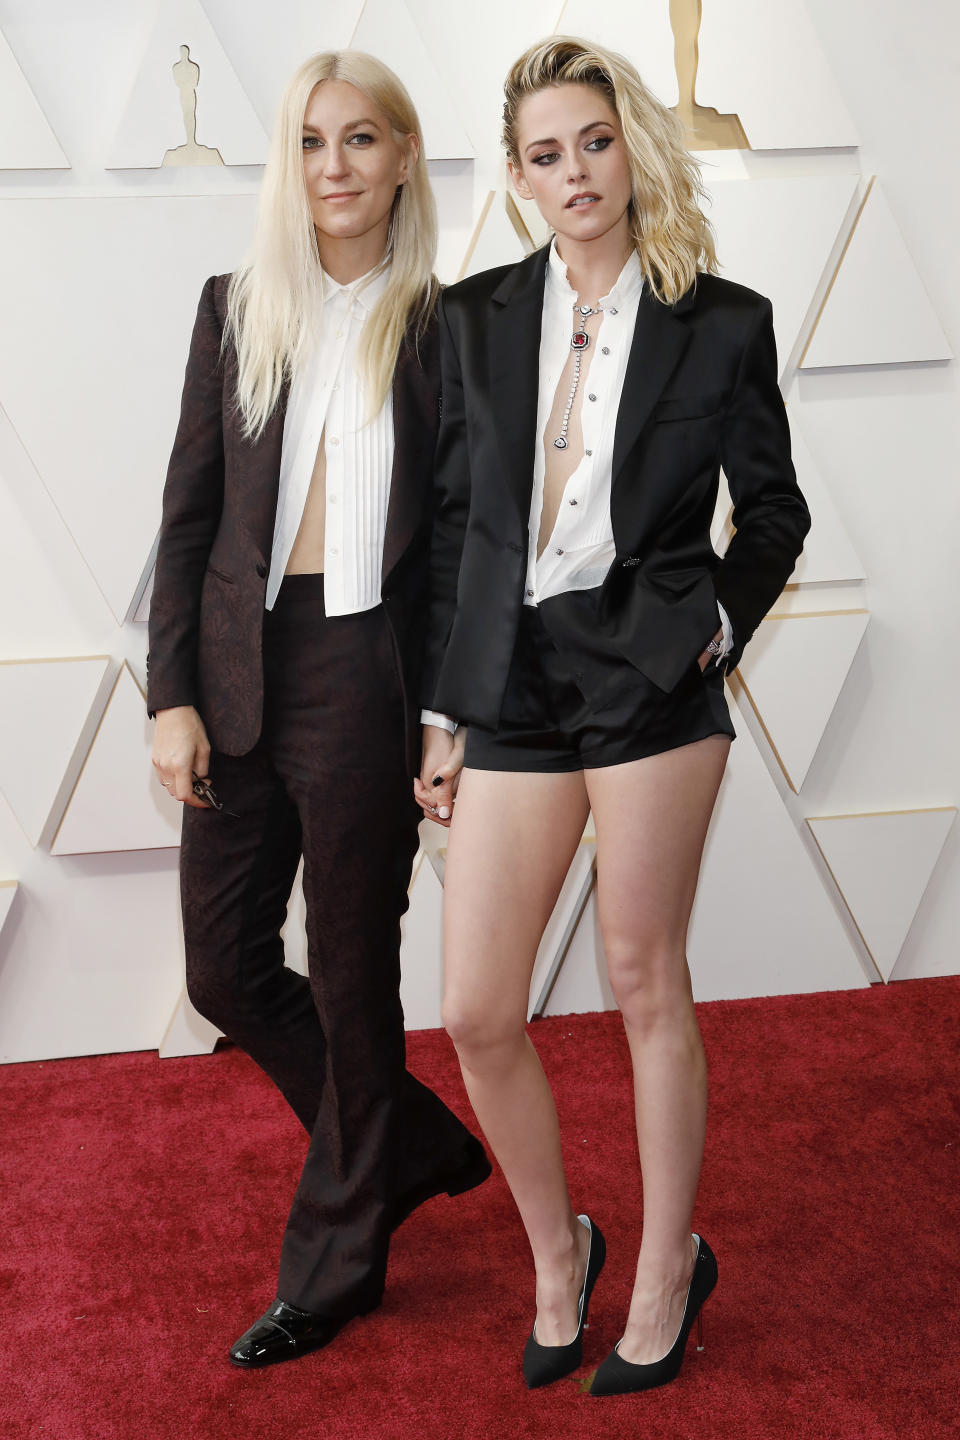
(700, 392)
(219, 510)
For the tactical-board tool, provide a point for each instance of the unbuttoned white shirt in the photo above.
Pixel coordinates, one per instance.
(328, 399)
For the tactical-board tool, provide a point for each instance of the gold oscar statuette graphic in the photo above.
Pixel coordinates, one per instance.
(186, 73)
(706, 128)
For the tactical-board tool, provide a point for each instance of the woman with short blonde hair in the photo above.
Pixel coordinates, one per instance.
(581, 624)
(285, 655)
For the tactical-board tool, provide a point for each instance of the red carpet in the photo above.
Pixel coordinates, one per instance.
(143, 1201)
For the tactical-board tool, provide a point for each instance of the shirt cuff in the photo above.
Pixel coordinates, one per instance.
(442, 722)
(727, 641)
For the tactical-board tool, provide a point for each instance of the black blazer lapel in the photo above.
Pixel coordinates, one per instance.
(659, 339)
(415, 418)
(513, 326)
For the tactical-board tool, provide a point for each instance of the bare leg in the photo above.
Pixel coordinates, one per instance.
(652, 817)
(511, 844)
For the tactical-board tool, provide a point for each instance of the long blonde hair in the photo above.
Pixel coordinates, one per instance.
(672, 236)
(274, 297)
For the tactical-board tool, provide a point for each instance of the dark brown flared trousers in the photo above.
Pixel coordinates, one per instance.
(327, 780)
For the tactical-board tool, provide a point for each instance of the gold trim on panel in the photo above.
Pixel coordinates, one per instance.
(763, 726)
(776, 619)
(846, 905)
(353, 37)
(93, 741)
(810, 820)
(125, 665)
(54, 659)
(836, 271)
(476, 234)
(518, 223)
(871, 814)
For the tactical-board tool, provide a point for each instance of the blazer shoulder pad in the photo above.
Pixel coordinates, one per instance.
(476, 287)
(713, 291)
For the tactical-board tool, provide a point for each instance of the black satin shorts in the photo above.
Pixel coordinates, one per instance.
(574, 702)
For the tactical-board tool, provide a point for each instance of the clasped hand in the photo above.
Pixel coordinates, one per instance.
(435, 787)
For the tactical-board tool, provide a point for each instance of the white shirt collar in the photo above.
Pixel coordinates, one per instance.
(628, 285)
(366, 290)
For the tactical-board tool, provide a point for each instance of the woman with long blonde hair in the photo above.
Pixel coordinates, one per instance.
(286, 631)
(581, 624)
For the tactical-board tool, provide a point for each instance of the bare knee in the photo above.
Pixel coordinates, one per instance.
(651, 984)
(483, 1036)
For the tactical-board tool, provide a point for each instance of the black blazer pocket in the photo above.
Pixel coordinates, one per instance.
(689, 407)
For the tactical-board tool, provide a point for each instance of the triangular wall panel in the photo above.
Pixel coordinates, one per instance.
(44, 709)
(494, 241)
(764, 62)
(153, 121)
(777, 236)
(131, 276)
(386, 29)
(473, 47)
(793, 671)
(882, 864)
(26, 139)
(8, 890)
(638, 29)
(118, 802)
(876, 312)
(763, 923)
(828, 554)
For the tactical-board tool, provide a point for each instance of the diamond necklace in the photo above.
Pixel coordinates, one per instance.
(579, 341)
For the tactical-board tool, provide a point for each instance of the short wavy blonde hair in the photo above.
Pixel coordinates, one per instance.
(673, 237)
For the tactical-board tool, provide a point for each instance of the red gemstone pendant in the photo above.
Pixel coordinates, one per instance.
(579, 340)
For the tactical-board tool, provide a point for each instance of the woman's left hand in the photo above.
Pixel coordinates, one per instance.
(436, 785)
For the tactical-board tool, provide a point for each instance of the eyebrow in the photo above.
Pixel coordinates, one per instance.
(353, 125)
(584, 130)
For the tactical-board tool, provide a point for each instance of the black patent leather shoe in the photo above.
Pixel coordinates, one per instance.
(282, 1333)
(542, 1364)
(469, 1170)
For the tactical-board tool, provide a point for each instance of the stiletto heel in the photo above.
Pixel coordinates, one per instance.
(617, 1376)
(542, 1364)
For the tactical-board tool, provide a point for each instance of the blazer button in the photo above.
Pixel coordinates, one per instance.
(261, 569)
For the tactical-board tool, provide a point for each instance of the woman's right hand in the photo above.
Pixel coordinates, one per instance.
(181, 750)
(436, 785)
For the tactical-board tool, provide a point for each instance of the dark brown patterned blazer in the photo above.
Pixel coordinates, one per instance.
(219, 508)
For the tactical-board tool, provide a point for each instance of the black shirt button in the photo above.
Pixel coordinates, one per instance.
(261, 569)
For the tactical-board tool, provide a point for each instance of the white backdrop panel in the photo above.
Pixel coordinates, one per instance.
(882, 865)
(8, 890)
(124, 290)
(474, 46)
(386, 29)
(95, 971)
(118, 803)
(44, 706)
(877, 311)
(152, 120)
(638, 29)
(794, 669)
(828, 554)
(765, 62)
(26, 139)
(776, 236)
